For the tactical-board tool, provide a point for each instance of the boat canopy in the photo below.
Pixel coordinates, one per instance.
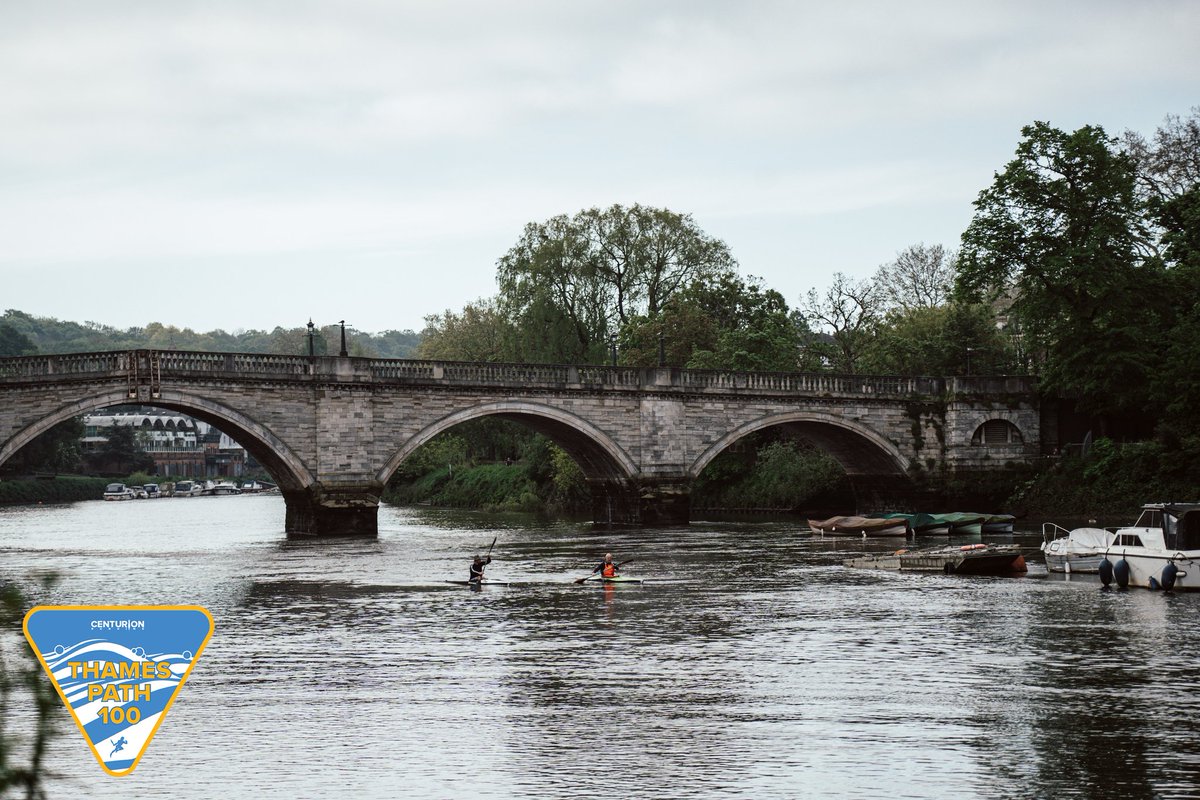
(1181, 526)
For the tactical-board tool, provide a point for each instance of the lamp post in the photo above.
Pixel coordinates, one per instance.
(969, 351)
(612, 348)
(311, 328)
(344, 352)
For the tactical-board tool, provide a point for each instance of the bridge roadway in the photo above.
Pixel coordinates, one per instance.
(332, 430)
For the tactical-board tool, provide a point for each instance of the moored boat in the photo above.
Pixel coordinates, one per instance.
(118, 491)
(1159, 551)
(998, 523)
(972, 559)
(866, 527)
(186, 489)
(961, 523)
(1077, 550)
(921, 524)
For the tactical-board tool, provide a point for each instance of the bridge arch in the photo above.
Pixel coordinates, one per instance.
(270, 451)
(859, 449)
(597, 453)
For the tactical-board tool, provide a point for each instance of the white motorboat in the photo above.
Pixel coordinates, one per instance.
(223, 488)
(1159, 551)
(118, 491)
(1078, 550)
(187, 489)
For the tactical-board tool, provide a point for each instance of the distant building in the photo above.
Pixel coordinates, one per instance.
(180, 445)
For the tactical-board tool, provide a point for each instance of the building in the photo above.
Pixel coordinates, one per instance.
(180, 446)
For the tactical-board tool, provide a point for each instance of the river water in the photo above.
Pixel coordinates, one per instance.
(750, 663)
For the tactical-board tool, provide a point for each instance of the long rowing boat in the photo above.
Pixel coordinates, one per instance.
(615, 579)
(479, 583)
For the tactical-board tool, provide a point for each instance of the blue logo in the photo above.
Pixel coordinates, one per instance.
(118, 669)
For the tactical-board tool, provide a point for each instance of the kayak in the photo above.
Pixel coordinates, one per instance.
(617, 579)
(479, 583)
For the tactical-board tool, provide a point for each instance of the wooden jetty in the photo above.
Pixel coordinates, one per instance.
(977, 559)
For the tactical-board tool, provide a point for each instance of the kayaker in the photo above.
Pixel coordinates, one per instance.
(477, 568)
(606, 568)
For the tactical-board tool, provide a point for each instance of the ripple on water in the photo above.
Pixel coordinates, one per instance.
(751, 664)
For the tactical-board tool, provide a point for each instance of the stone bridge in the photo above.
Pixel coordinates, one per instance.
(332, 430)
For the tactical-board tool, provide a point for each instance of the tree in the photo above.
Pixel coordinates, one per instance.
(921, 276)
(122, 453)
(848, 313)
(589, 274)
(480, 332)
(15, 343)
(1057, 231)
(1168, 166)
(724, 323)
(952, 339)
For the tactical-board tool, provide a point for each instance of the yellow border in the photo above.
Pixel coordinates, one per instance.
(162, 715)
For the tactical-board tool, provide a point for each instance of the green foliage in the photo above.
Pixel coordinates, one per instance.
(940, 340)
(570, 282)
(61, 489)
(444, 452)
(779, 474)
(845, 318)
(49, 335)
(568, 485)
(1056, 233)
(724, 323)
(121, 453)
(1116, 479)
(15, 343)
(22, 679)
(56, 450)
(480, 332)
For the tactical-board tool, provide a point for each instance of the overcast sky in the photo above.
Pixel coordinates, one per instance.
(253, 163)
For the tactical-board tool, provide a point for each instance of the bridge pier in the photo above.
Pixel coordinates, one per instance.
(344, 511)
(645, 502)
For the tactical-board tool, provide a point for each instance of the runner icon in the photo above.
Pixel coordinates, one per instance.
(120, 745)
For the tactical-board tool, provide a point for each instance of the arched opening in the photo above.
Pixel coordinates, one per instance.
(288, 471)
(997, 432)
(593, 459)
(839, 464)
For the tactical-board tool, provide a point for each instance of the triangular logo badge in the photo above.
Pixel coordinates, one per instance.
(118, 669)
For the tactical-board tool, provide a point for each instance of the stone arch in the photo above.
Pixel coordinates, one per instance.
(597, 454)
(287, 468)
(996, 430)
(859, 449)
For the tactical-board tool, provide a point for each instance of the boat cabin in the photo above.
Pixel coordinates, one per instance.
(1175, 526)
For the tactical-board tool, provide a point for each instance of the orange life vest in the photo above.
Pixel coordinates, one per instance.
(610, 570)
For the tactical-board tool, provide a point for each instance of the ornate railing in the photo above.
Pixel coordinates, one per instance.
(166, 365)
(65, 364)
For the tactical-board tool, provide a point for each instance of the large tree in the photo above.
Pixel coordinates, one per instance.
(726, 323)
(845, 318)
(1056, 232)
(921, 276)
(592, 273)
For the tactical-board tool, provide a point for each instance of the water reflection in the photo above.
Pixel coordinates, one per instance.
(751, 663)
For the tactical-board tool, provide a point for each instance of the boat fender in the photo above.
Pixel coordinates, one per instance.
(1169, 573)
(1067, 565)
(1106, 571)
(1121, 573)
(1154, 587)
(973, 547)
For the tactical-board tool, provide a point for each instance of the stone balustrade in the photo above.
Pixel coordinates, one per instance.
(168, 364)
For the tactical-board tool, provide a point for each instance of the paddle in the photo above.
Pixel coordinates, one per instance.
(593, 572)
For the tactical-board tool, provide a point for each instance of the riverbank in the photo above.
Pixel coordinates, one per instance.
(55, 489)
(1113, 479)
